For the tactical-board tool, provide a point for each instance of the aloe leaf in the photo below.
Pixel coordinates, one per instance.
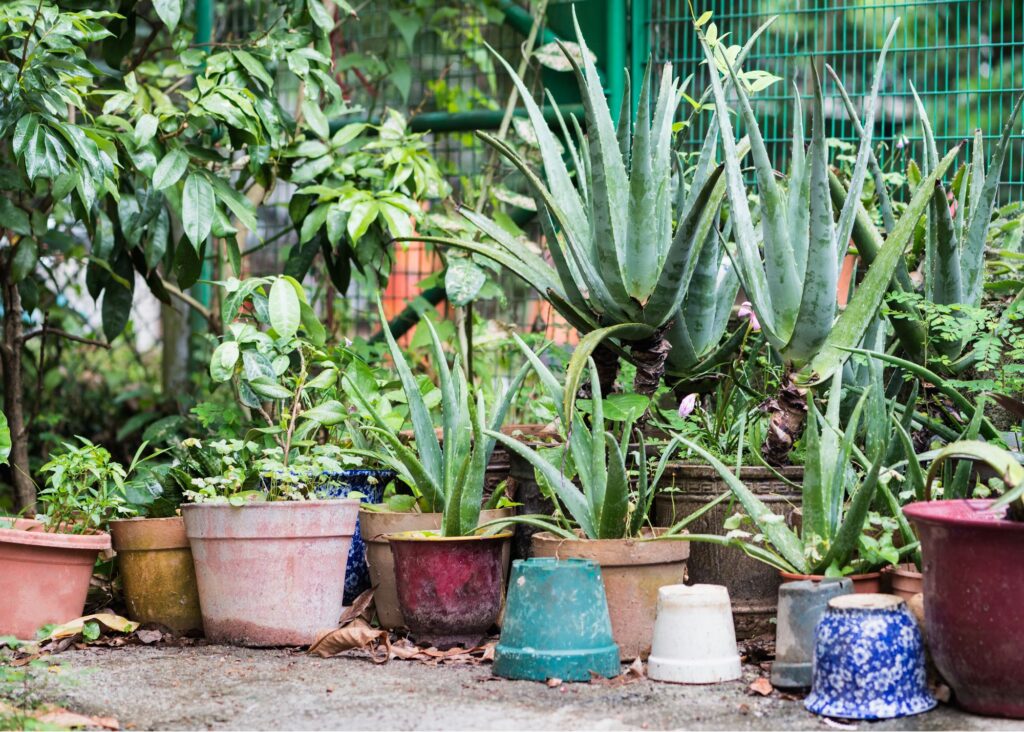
(585, 349)
(537, 279)
(781, 537)
(595, 483)
(748, 258)
(473, 487)
(452, 424)
(751, 550)
(704, 293)
(850, 326)
(570, 496)
(817, 301)
(860, 167)
(615, 506)
(705, 164)
(622, 129)
(946, 285)
(537, 521)
(973, 252)
(844, 546)
(498, 419)
(581, 181)
(422, 425)
(813, 504)
(1006, 466)
(798, 208)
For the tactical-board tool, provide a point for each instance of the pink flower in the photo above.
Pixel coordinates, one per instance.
(687, 406)
(746, 311)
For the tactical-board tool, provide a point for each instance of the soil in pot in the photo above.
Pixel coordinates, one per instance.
(44, 576)
(273, 573)
(375, 524)
(632, 571)
(974, 601)
(450, 588)
(157, 573)
(869, 583)
(753, 586)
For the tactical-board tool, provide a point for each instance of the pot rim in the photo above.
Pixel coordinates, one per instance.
(819, 577)
(29, 532)
(365, 508)
(418, 536)
(280, 505)
(948, 512)
(627, 552)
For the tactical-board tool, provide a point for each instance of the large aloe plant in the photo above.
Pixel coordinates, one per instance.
(792, 281)
(447, 475)
(625, 262)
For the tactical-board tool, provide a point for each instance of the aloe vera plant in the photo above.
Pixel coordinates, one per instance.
(447, 474)
(836, 502)
(606, 506)
(1007, 467)
(792, 285)
(625, 262)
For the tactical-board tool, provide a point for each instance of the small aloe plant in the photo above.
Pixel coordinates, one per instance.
(447, 474)
(1008, 468)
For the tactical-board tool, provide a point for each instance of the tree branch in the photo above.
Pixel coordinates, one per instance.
(48, 330)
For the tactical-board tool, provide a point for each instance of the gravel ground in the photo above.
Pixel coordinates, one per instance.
(221, 687)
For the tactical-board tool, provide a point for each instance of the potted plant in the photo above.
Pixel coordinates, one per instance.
(448, 575)
(604, 520)
(46, 563)
(974, 583)
(837, 535)
(154, 559)
(270, 556)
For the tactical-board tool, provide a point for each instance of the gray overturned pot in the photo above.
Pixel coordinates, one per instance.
(801, 607)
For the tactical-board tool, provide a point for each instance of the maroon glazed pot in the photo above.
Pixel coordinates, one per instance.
(450, 588)
(974, 601)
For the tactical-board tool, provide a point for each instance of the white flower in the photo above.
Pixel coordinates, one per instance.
(687, 406)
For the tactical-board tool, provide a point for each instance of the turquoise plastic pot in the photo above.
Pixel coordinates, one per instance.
(556, 623)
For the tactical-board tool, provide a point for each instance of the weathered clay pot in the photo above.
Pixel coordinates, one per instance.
(870, 583)
(375, 525)
(974, 601)
(753, 586)
(523, 482)
(159, 579)
(450, 588)
(905, 580)
(272, 573)
(632, 570)
(44, 576)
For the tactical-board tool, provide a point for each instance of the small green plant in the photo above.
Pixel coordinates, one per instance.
(85, 489)
(446, 475)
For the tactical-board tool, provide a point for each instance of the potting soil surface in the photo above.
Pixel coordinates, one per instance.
(222, 687)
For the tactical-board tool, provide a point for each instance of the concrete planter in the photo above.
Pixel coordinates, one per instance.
(44, 576)
(272, 573)
(753, 586)
(534, 645)
(801, 607)
(375, 524)
(159, 578)
(450, 588)
(632, 571)
(694, 636)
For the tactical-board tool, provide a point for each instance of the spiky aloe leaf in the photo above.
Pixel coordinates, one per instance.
(849, 328)
(615, 506)
(847, 538)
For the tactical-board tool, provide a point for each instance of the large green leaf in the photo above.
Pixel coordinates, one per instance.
(283, 302)
(197, 209)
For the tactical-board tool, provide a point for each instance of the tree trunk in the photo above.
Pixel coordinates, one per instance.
(14, 397)
(649, 356)
(788, 412)
(607, 362)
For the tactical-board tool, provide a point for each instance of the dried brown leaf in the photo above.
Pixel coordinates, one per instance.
(553, 683)
(360, 608)
(149, 636)
(761, 686)
(357, 635)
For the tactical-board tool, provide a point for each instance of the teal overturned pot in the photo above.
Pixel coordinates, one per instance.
(556, 623)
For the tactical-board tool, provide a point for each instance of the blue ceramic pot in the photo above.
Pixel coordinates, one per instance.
(371, 484)
(868, 660)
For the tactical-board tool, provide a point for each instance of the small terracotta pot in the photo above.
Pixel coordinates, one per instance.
(633, 570)
(974, 601)
(869, 583)
(905, 580)
(450, 588)
(375, 525)
(159, 579)
(44, 576)
(272, 573)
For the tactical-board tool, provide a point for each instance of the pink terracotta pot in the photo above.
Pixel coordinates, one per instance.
(270, 574)
(44, 576)
(974, 601)
(450, 588)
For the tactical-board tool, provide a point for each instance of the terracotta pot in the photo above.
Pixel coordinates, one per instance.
(44, 576)
(869, 583)
(270, 574)
(450, 588)
(905, 581)
(974, 601)
(375, 525)
(753, 586)
(632, 571)
(157, 573)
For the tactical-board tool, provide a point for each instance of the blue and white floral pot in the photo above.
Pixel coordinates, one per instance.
(371, 484)
(868, 660)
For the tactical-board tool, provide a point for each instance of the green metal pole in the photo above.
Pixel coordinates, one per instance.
(640, 47)
(203, 37)
(519, 18)
(616, 64)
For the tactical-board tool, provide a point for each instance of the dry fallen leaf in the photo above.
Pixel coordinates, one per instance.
(62, 718)
(358, 609)
(149, 636)
(106, 621)
(633, 672)
(357, 635)
(761, 686)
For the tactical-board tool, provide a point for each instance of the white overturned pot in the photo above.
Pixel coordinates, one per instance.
(694, 636)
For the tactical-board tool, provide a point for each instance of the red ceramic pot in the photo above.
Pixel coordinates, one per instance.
(974, 601)
(450, 588)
